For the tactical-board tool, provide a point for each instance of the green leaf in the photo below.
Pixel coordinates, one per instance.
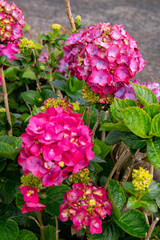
(8, 229)
(128, 187)
(26, 235)
(146, 205)
(3, 163)
(120, 126)
(28, 73)
(154, 191)
(74, 85)
(97, 159)
(155, 125)
(153, 151)
(133, 141)
(19, 200)
(144, 95)
(59, 84)
(116, 196)
(121, 103)
(77, 97)
(5, 150)
(152, 109)
(55, 199)
(134, 223)
(50, 232)
(113, 137)
(11, 73)
(137, 120)
(110, 231)
(32, 97)
(158, 201)
(105, 149)
(59, 76)
(48, 93)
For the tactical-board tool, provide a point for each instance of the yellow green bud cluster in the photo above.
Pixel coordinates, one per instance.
(25, 45)
(51, 102)
(2, 110)
(82, 176)
(93, 98)
(31, 181)
(56, 26)
(141, 179)
(78, 18)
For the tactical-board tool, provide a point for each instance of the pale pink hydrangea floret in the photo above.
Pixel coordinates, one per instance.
(103, 56)
(55, 144)
(86, 206)
(12, 22)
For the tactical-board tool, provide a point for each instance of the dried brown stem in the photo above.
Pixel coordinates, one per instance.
(146, 217)
(103, 136)
(151, 229)
(83, 112)
(50, 80)
(39, 216)
(6, 100)
(37, 82)
(69, 14)
(120, 161)
(151, 169)
(57, 231)
(88, 115)
(96, 123)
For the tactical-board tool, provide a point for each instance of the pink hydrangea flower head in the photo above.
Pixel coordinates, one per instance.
(86, 206)
(11, 22)
(56, 143)
(9, 50)
(103, 56)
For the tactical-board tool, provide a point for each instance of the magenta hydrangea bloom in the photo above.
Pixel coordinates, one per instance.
(86, 206)
(126, 91)
(12, 22)
(55, 144)
(104, 56)
(9, 50)
(31, 198)
(31, 207)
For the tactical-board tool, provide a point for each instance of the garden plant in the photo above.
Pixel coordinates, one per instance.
(79, 136)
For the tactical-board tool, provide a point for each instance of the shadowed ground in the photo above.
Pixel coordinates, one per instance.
(141, 19)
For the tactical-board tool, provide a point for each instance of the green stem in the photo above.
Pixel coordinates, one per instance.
(39, 216)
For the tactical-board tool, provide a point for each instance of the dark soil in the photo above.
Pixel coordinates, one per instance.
(141, 19)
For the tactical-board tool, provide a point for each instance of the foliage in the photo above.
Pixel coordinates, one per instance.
(77, 137)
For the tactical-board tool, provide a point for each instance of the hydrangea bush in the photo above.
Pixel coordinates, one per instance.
(79, 141)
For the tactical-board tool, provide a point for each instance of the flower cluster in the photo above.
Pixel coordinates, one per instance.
(51, 102)
(55, 143)
(104, 56)
(56, 26)
(11, 22)
(82, 176)
(93, 98)
(86, 206)
(31, 198)
(25, 45)
(126, 91)
(141, 179)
